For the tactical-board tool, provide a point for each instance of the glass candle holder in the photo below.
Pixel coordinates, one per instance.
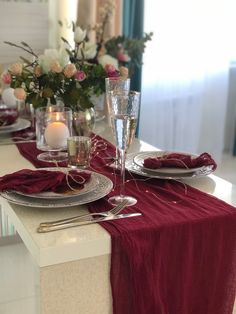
(53, 127)
(79, 149)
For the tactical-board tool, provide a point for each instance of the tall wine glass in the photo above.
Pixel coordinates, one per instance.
(115, 85)
(124, 116)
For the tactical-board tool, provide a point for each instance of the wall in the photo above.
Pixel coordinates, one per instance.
(20, 21)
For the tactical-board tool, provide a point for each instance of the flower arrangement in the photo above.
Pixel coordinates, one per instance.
(74, 73)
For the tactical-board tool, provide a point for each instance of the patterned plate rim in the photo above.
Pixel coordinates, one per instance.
(103, 188)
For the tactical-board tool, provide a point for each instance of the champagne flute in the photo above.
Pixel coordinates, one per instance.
(115, 85)
(124, 116)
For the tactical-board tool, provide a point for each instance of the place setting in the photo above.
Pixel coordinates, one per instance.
(170, 164)
(65, 179)
(15, 125)
(74, 187)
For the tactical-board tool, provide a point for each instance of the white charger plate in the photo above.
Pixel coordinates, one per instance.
(89, 186)
(19, 125)
(140, 157)
(103, 188)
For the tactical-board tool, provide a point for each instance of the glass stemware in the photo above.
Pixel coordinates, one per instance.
(115, 85)
(53, 127)
(124, 117)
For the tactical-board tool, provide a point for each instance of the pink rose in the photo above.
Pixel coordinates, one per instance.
(56, 68)
(16, 68)
(123, 57)
(20, 93)
(124, 72)
(80, 76)
(111, 70)
(6, 78)
(69, 70)
(38, 71)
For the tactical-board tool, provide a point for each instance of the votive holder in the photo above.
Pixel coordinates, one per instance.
(79, 150)
(53, 127)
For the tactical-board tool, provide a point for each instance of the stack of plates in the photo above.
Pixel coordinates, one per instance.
(97, 187)
(18, 125)
(135, 162)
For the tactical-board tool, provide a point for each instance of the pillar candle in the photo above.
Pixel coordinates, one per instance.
(56, 134)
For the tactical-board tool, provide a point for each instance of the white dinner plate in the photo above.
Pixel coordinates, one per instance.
(103, 188)
(140, 157)
(19, 125)
(89, 186)
(134, 168)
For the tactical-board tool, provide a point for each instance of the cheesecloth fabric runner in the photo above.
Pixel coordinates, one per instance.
(179, 257)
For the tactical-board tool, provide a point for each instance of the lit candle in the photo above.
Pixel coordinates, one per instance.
(56, 134)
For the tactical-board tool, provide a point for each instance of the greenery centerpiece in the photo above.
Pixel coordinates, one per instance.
(74, 73)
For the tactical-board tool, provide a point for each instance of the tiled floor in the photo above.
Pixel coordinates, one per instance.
(19, 285)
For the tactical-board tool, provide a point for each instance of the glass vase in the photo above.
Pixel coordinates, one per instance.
(83, 122)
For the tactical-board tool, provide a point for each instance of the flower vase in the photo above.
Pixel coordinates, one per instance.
(99, 106)
(83, 122)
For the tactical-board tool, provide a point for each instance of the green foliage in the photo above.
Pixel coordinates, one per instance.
(133, 47)
(42, 84)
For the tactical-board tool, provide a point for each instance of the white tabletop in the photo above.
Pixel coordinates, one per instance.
(84, 241)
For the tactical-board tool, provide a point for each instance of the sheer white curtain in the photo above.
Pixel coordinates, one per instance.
(185, 74)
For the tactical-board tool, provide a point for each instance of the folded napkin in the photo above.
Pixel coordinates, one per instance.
(177, 160)
(7, 115)
(36, 181)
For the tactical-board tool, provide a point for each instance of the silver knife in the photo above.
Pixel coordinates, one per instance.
(42, 229)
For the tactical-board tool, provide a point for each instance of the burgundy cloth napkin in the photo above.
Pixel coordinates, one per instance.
(179, 257)
(177, 160)
(7, 115)
(36, 181)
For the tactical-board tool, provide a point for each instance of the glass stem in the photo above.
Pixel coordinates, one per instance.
(122, 172)
(53, 153)
(117, 162)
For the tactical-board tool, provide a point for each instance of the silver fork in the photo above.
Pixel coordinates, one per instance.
(112, 212)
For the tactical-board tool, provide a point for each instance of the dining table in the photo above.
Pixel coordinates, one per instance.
(73, 265)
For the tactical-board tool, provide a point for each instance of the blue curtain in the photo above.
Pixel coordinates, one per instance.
(234, 150)
(133, 21)
(133, 16)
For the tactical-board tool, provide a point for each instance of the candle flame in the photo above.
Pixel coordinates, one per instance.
(58, 116)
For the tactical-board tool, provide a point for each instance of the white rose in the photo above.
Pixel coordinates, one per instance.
(63, 55)
(107, 59)
(79, 35)
(89, 51)
(51, 56)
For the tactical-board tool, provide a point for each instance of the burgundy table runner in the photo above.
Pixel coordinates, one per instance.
(30, 152)
(179, 257)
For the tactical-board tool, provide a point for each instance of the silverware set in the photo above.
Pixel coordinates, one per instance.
(86, 219)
